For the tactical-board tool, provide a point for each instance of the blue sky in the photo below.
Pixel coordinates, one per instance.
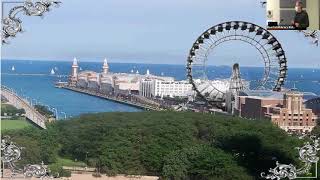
(144, 31)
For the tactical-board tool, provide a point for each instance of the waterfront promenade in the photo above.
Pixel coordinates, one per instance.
(118, 99)
(30, 112)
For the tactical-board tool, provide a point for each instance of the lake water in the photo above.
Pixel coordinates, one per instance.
(40, 87)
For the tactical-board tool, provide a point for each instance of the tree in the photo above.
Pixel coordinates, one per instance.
(43, 110)
(174, 145)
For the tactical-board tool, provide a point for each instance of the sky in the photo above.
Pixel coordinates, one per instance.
(145, 31)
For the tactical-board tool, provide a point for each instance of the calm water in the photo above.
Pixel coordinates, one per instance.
(40, 87)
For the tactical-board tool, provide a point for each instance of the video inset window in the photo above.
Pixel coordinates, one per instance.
(293, 14)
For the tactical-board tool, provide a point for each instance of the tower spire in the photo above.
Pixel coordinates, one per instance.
(74, 74)
(105, 66)
(75, 62)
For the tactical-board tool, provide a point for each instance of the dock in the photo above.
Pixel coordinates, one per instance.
(110, 98)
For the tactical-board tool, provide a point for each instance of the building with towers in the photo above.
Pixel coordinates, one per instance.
(124, 83)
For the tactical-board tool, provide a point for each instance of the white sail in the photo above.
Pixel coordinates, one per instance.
(80, 69)
(13, 68)
(52, 72)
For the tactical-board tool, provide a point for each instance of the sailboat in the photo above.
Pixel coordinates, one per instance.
(52, 72)
(13, 68)
(80, 69)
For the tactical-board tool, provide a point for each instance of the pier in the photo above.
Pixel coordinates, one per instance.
(110, 98)
(31, 113)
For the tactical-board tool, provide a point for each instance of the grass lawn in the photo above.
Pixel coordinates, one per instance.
(14, 124)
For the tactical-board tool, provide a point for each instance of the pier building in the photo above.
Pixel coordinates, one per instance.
(112, 83)
(160, 88)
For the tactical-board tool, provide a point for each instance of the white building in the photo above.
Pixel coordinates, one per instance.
(147, 88)
(172, 88)
(162, 88)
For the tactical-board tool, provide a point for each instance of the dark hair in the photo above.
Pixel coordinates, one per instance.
(299, 2)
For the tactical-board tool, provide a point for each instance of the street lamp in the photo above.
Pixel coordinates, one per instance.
(65, 115)
(28, 99)
(55, 112)
(87, 157)
(35, 101)
(49, 108)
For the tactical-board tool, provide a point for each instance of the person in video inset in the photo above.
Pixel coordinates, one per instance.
(301, 19)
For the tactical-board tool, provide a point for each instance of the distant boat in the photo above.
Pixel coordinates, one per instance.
(131, 71)
(13, 68)
(313, 71)
(80, 69)
(52, 72)
(56, 68)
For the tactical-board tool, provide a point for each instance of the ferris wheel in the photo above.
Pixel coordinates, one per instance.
(273, 57)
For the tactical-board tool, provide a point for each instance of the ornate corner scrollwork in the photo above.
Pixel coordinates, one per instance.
(11, 153)
(281, 171)
(307, 154)
(263, 3)
(11, 25)
(313, 35)
(35, 170)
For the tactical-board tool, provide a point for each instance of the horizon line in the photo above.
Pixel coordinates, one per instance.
(96, 61)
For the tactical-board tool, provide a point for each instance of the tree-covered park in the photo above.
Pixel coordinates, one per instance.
(171, 145)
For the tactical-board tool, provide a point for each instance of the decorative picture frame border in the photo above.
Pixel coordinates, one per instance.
(12, 24)
(307, 154)
(11, 153)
